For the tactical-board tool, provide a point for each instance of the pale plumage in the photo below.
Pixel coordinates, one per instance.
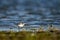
(21, 24)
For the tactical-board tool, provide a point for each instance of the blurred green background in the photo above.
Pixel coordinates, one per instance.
(23, 35)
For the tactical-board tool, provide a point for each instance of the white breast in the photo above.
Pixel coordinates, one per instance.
(21, 25)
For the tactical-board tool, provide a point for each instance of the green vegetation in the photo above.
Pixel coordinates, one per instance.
(23, 35)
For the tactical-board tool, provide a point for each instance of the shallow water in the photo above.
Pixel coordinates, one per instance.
(31, 12)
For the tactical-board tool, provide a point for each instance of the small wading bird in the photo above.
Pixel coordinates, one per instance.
(21, 24)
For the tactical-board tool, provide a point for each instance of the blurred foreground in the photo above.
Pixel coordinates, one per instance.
(24, 35)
